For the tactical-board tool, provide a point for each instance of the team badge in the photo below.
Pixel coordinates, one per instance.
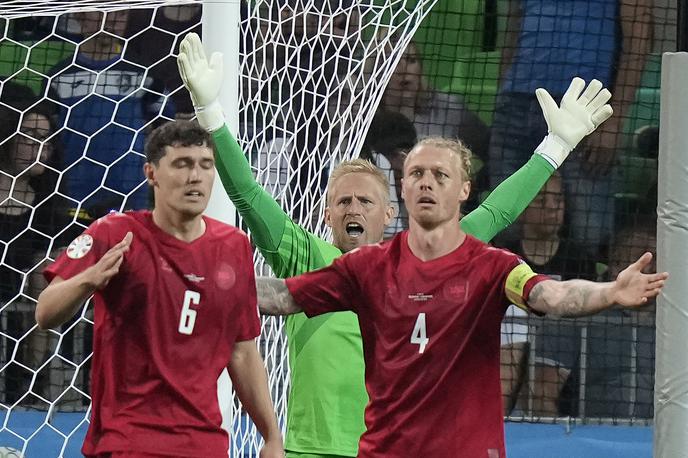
(80, 246)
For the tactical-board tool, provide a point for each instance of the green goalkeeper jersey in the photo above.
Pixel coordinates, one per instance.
(327, 394)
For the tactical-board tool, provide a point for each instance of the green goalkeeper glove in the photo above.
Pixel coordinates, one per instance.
(578, 116)
(203, 80)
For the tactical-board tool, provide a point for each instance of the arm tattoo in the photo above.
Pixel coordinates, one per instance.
(274, 298)
(572, 298)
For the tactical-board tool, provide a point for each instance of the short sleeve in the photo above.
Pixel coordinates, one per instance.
(83, 252)
(249, 318)
(330, 289)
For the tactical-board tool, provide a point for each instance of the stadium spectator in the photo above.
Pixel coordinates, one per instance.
(390, 136)
(31, 213)
(433, 113)
(544, 245)
(548, 43)
(108, 104)
(429, 304)
(327, 394)
(155, 42)
(166, 324)
(620, 364)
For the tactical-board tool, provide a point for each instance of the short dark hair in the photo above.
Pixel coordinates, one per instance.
(175, 133)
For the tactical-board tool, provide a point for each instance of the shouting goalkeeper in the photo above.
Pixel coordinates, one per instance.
(327, 392)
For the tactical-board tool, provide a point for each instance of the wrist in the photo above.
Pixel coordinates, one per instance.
(273, 434)
(553, 149)
(610, 293)
(87, 281)
(210, 117)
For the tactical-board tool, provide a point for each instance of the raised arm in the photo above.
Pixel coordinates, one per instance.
(250, 381)
(274, 297)
(288, 248)
(574, 298)
(61, 299)
(580, 113)
(203, 79)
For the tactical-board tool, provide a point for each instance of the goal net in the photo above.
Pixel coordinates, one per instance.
(83, 82)
(321, 81)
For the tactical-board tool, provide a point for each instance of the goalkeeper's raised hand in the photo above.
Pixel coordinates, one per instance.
(580, 113)
(203, 80)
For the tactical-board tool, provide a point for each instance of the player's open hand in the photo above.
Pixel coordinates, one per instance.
(272, 449)
(582, 110)
(107, 267)
(201, 77)
(633, 287)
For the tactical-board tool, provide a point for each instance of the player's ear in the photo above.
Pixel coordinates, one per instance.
(328, 217)
(389, 214)
(465, 191)
(403, 197)
(149, 173)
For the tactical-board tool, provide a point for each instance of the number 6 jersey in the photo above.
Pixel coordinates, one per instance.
(164, 329)
(431, 338)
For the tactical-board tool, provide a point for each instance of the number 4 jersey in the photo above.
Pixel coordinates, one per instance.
(164, 329)
(431, 338)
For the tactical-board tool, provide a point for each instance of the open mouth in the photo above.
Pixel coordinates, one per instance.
(426, 200)
(354, 229)
(193, 194)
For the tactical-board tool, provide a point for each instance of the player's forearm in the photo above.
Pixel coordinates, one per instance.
(251, 384)
(265, 218)
(508, 200)
(274, 297)
(571, 298)
(62, 299)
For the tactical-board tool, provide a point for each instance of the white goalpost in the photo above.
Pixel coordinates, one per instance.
(303, 80)
(671, 414)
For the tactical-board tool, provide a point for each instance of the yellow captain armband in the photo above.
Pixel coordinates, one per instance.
(516, 283)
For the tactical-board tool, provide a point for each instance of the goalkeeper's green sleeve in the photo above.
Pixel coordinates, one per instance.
(260, 211)
(508, 200)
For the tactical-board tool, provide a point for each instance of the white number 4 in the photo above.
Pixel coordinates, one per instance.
(188, 316)
(419, 335)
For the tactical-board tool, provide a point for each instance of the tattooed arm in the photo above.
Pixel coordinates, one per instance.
(575, 298)
(572, 298)
(274, 297)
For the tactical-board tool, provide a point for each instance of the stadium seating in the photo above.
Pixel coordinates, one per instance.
(39, 57)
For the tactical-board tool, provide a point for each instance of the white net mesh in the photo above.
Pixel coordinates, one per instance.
(80, 91)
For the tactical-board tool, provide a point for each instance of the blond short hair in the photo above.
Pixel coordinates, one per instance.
(458, 149)
(358, 166)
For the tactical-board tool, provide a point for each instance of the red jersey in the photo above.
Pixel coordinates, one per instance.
(164, 330)
(431, 338)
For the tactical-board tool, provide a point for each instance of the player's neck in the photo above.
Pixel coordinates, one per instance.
(179, 226)
(429, 244)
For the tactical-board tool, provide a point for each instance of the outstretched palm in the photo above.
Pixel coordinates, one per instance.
(633, 287)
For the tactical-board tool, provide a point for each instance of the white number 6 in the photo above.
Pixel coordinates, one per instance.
(419, 335)
(188, 316)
